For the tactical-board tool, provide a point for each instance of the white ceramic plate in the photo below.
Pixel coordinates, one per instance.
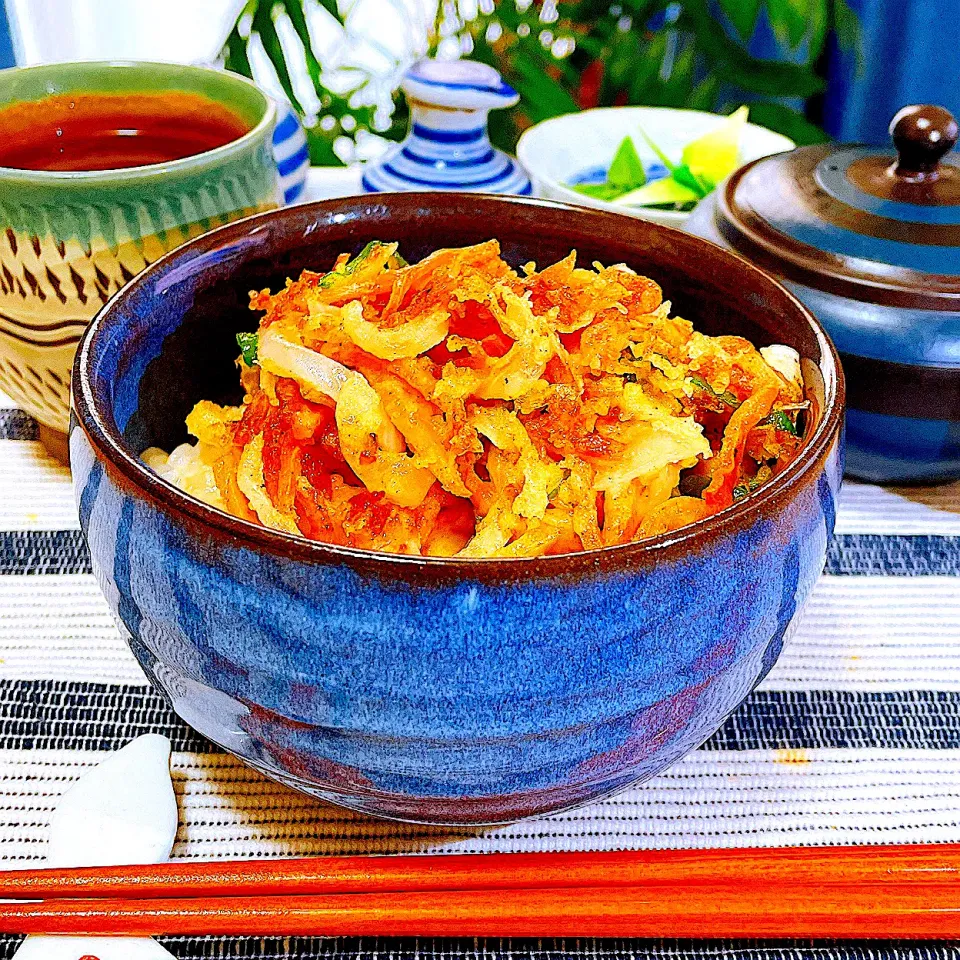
(562, 149)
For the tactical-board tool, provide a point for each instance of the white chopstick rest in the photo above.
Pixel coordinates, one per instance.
(81, 948)
(123, 811)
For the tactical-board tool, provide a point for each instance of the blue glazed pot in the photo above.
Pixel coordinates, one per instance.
(870, 242)
(427, 689)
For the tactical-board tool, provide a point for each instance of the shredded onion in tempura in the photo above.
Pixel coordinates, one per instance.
(454, 407)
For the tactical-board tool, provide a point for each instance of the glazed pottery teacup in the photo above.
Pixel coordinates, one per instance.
(104, 167)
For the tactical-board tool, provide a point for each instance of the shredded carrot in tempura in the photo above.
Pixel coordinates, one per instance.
(455, 407)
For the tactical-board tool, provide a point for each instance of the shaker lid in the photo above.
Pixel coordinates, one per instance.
(458, 85)
(857, 221)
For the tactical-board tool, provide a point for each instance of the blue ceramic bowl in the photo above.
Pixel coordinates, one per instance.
(436, 690)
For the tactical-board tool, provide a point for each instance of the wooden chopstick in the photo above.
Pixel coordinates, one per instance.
(903, 891)
(908, 864)
(838, 910)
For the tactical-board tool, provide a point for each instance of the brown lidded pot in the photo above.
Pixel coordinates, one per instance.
(869, 240)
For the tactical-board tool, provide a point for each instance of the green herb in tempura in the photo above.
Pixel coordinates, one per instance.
(248, 344)
(726, 398)
(781, 421)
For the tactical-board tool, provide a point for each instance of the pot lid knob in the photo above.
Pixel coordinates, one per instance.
(922, 134)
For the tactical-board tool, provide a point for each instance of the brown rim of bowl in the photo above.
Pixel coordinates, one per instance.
(170, 500)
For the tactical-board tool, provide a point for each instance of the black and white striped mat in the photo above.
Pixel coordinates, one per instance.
(853, 738)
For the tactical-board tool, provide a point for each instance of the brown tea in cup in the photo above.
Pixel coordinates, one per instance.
(104, 167)
(104, 131)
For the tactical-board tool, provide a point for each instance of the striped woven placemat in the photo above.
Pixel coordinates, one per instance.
(854, 737)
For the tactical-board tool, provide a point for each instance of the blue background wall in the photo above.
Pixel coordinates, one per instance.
(910, 54)
(6, 47)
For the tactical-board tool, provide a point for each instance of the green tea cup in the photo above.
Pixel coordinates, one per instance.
(71, 238)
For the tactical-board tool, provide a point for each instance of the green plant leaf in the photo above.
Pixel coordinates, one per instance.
(770, 78)
(510, 16)
(641, 10)
(592, 45)
(733, 64)
(775, 116)
(647, 67)
(329, 5)
(790, 19)
(503, 129)
(320, 145)
(819, 31)
(543, 97)
(634, 55)
(294, 10)
(846, 27)
(704, 95)
(399, 118)
(626, 170)
(264, 26)
(235, 54)
(619, 65)
(742, 15)
(236, 57)
(678, 86)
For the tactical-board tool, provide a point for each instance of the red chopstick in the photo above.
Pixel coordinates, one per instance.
(912, 863)
(904, 891)
(762, 910)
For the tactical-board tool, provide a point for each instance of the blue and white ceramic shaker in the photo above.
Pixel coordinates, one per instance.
(290, 153)
(447, 146)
